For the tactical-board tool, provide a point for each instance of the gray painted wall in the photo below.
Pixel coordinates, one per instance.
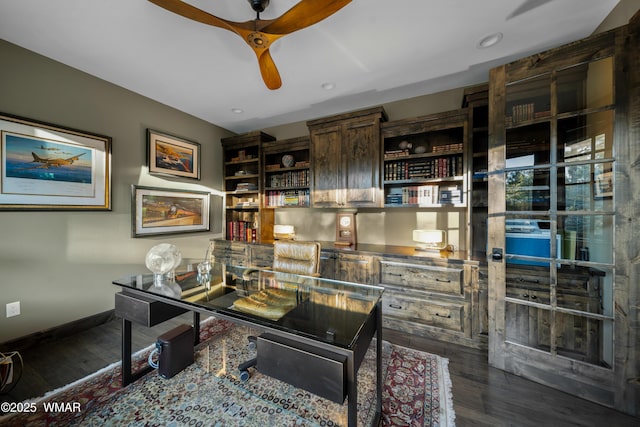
(60, 265)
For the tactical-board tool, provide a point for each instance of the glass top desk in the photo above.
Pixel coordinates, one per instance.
(324, 324)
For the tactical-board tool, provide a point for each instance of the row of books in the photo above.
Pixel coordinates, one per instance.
(424, 195)
(440, 167)
(241, 231)
(277, 198)
(524, 112)
(290, 179)
(392, 154)
(404, 152)
(276, 166)
(457, 146)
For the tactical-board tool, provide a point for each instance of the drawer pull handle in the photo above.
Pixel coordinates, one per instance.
(521, 280)
(534, 297)
(395, 274)
(443, 280)
(525, 295)
(448, 316)
(396, 306)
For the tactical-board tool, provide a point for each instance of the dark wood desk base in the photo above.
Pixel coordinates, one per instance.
(147, 311)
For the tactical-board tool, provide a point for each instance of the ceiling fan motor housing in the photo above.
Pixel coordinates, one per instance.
(259, 5)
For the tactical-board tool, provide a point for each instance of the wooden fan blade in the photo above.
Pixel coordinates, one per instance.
(304, 14)
(268, 69)
(184, 9)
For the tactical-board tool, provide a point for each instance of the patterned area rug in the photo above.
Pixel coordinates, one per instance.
(209, 393)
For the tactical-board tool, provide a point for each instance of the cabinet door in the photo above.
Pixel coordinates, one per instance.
(327, 265)
(261, 256)
(325, 154)
(355, 268)
(361, 162)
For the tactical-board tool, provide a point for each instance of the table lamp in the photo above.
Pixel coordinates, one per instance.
(430, 240)
(281, 231)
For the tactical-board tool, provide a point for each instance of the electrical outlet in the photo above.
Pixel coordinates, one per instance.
(13, 309)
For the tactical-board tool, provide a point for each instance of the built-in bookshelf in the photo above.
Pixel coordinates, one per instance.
(245, 219)
(424, 161)
(477, 104)
(287, 173)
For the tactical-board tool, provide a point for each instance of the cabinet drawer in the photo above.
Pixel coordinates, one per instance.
(422, 277)
(230, 252)
(442, 315)
(261, 256)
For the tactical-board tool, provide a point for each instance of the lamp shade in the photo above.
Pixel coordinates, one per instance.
(282, 231)
(430, 239)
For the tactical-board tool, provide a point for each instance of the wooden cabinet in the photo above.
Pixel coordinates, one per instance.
(432, 298)
(242, 165)
(424, 161)
(287, 173)
(345, 153)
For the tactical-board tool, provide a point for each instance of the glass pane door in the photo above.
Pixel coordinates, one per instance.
(559, 212)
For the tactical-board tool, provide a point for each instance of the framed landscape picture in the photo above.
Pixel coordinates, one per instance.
(166, 211)
(170, 155)
(49, 167)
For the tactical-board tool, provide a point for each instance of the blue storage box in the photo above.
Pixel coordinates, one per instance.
(527, 237)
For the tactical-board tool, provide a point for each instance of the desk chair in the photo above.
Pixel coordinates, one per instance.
(290, 256)
(294, 257)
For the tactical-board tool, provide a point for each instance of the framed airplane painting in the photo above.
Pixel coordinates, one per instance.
(170, 155)
(48, 167)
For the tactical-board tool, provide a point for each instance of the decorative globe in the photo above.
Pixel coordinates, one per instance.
(288, 160)
(163, 258)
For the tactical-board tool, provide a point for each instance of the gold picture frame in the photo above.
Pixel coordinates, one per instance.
(49, 167)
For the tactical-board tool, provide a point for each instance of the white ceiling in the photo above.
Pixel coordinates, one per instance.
(374, 51)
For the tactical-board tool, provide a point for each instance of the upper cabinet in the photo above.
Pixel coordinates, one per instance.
(424, 161)
(345, 152)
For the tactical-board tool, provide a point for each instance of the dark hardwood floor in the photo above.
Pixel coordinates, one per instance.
(483, 396)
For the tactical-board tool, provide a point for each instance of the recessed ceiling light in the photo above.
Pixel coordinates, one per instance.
(490, 40)
(328, 86)
(237, 110)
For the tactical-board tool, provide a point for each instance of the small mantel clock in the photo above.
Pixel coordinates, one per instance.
(345, 228)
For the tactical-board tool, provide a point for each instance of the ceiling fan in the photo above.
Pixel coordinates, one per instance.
(260, 34)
